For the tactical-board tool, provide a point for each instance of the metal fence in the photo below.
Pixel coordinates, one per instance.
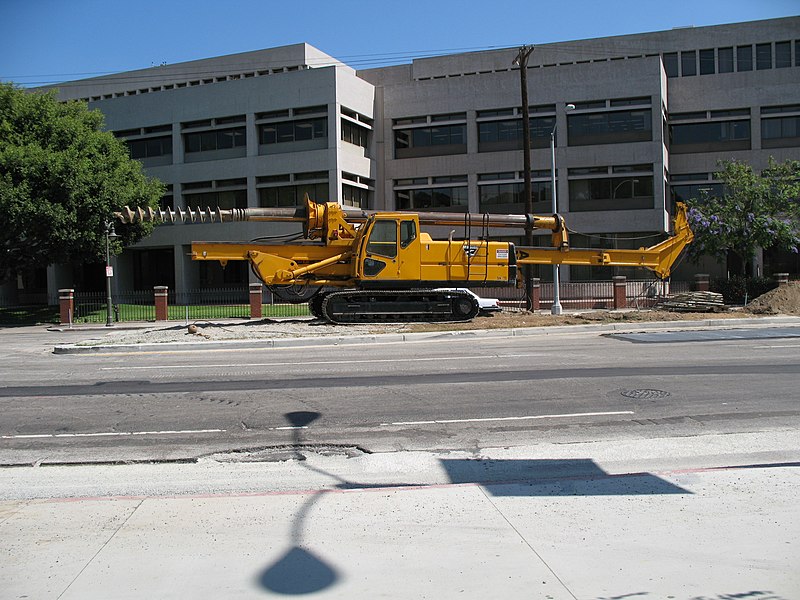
(92, 307)
(234, 303)
(188, 305)
(586, 295)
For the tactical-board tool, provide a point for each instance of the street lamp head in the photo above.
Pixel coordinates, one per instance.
(110, 231)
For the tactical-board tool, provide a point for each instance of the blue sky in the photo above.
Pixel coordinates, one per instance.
(47, 41)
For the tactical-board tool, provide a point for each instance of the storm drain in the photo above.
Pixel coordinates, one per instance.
(645, 394)
(286, 453)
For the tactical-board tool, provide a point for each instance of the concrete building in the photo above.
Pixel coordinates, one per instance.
(653, 113)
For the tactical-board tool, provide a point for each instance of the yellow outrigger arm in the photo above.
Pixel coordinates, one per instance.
(659, 258)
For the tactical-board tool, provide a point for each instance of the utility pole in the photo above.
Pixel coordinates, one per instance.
(522, 61)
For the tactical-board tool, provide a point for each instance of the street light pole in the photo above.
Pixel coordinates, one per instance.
(555, 309)
(522, 61)
(110, 235)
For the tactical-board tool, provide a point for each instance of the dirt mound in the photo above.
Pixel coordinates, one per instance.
(784, 300)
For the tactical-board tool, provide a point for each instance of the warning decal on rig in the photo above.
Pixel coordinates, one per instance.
(501, 254)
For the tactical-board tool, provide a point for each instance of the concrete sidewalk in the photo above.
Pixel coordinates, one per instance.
(102, 346)
(717, 519)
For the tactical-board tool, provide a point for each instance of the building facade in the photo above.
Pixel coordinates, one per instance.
(639, 121)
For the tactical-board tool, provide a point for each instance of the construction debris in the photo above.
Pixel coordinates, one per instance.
(693, 302)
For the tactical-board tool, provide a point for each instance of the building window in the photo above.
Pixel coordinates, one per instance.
(355, 196)
(783, 55)
(631, 192)
(501, 135)
(707, 62)
(293, 131)
(780, 132)
(355, 134)
(218, 139)
(685, 192)
(688, 63)
(292, 195)
(509, 197)
(671, 64)
(710, 136)
(432, 194)
(614, 127)
(150, 147)
(153, 267)
(744, 58)
(763, 56)
(224, 199)
(725, 60)
(166, 202)
(448, 136)
(213, 275)
(430, 141)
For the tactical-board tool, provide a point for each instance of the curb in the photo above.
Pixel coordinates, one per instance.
(394, 338)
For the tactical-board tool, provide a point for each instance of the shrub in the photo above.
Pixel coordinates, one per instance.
(739, 289)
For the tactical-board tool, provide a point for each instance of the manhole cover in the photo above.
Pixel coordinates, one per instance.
(645, 394)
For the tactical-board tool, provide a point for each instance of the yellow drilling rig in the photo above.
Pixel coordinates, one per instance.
(365, 266)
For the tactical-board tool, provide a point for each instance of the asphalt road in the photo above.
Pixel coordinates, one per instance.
(448, 393)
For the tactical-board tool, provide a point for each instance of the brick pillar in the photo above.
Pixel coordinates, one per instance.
(620, 288)
(66, 305)
(701, 283)
(160, 293)
(256, 294)
(536, 293)
(783, 278)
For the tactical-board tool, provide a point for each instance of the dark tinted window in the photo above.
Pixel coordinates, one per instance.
(763, 56)
(783, 55)
(610, 127)
(706, 62)
(688, 63)
(725, 60)
(744, 58)
(671, 64)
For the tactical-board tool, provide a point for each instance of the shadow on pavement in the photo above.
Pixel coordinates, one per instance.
(568, 477)
(300, 571)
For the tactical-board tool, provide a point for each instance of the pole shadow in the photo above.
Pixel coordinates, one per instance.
(299, 571)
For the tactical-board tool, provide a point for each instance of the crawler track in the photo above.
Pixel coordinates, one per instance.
(397, 306)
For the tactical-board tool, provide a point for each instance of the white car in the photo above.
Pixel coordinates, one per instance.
(486, 305)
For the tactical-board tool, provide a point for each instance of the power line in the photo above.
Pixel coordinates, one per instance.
(349, 60)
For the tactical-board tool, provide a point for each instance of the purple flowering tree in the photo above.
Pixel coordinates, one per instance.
(755, 211)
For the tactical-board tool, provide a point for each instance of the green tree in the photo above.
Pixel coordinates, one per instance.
(754, 211)
(61, 178)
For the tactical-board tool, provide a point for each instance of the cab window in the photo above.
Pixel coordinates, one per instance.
(383, 239)
(408, 233)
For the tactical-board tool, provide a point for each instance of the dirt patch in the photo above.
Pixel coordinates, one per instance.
(784, 300)
(293, 328)
(514, 320)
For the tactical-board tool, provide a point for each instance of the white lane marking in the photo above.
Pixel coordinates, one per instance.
(107, 434)
(320, 362)
(780, 346)
(287, 427)
(526, 418)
